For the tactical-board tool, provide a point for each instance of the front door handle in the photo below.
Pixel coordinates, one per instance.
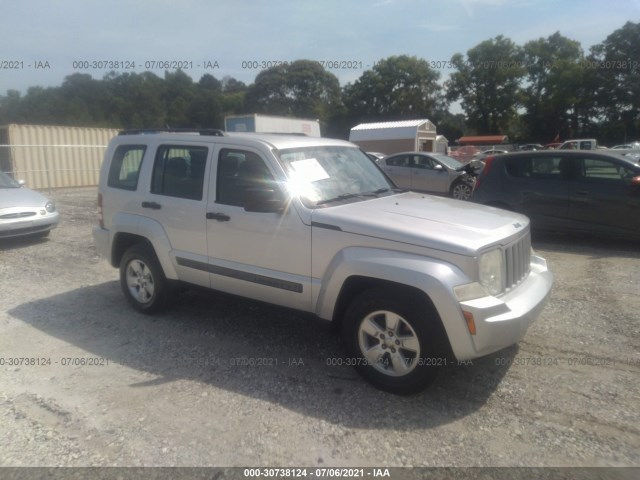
(221, 217)
(151, 205)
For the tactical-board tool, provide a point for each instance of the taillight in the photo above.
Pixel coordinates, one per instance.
(100, 216)
(487, 166)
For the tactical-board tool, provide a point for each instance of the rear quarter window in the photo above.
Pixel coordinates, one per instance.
(125, 167)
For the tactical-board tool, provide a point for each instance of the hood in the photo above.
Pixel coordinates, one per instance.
(21, 197)
(427, 221)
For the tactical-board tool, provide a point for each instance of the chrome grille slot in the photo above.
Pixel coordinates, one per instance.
(517, 261)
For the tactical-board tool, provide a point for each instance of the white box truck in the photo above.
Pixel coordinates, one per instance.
(271, 124)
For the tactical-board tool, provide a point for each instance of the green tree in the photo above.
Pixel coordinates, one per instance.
(10, 106)
(233, 96)
(136, 100)
(179, 94)
(449, 125)
(398, 87)
(487, 84)
(205, 110)
(85, 100)
(127, 100)
(42, 106)
(554, 96)
(302, 89)
(230, 85)
(613, 72)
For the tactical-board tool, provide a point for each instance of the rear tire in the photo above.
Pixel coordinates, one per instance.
(393, 338)
(142, 280)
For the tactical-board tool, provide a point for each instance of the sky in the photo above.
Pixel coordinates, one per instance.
(43, 41)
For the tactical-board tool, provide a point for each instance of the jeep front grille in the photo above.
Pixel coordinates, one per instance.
(517, 261)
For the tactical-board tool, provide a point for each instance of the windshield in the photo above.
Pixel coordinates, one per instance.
(448, 161)
(7, 182)
(321, 175)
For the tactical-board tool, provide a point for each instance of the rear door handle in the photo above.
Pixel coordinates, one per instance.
(221, 217)
(582, 192)
(151, 205)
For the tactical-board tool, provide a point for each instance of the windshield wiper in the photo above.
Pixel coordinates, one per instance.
(346, 196)
(394, 190)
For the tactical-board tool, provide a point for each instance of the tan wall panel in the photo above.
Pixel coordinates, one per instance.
(52, 157)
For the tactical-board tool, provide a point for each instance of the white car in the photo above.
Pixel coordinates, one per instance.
(627, 146)
(376, 156)
(580, 144)
(23, 211)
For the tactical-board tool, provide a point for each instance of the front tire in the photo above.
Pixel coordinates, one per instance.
(461, 191)
(142, 280)
(393, 338)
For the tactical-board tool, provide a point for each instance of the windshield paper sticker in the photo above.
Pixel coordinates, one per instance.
(309, 170)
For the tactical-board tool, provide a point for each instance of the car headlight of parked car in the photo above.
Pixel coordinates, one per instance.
(50, 207)
(490, 271)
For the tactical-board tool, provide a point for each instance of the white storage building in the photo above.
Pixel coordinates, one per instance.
(393, 137)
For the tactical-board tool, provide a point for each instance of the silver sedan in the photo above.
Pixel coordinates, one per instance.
(23, 211)
(428, 172)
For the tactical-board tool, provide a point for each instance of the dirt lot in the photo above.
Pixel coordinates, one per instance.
(98, 384)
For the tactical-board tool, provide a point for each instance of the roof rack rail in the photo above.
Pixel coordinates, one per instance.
(215, 132)
(299, 134)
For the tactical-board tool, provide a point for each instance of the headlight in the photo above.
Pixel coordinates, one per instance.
(490, 269)
(50, 207)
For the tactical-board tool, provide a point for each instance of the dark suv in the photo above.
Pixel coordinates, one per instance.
(565, 190)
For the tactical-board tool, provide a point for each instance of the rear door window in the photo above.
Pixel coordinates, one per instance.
(178, 171)
(538, 167)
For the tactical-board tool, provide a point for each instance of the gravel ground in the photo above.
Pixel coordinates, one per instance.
(98, 384)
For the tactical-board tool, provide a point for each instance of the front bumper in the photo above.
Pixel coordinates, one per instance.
(503, 321)
(32, 225)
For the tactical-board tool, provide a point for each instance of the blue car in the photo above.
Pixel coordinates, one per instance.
(579, 190)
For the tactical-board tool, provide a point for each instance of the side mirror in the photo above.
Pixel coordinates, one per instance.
(22, 183)
(438, 168)
(263, 199)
